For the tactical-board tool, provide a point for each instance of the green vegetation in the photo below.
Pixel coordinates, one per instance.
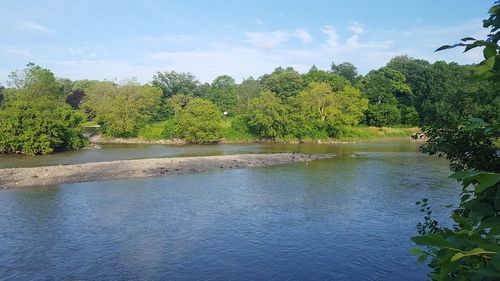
(34, 119)
(285, 105)
(469, 137)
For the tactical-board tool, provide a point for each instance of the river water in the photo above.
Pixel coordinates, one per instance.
(345, 218)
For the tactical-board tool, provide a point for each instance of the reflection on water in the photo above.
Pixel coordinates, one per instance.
(346, 218)
(110, 152)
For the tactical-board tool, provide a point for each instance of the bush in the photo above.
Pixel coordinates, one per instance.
(40, 127)
(200, 122)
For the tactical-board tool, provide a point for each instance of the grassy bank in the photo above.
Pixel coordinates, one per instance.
(162, 132)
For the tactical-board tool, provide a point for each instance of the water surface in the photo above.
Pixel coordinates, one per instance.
(346, 218)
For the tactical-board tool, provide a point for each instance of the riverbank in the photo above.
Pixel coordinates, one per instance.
(349, 135)
(142, 168)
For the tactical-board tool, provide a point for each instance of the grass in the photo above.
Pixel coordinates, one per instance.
(373, 133)
(153, 131)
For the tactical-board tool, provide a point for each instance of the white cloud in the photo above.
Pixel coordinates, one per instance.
(331, 34)
(303, 35)
(356, 27)
(267, 40)
(35, 27)
(272, 39)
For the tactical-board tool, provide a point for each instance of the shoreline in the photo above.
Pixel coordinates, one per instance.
(143, 168)
(98, 139)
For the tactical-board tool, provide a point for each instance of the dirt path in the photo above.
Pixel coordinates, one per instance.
(126, 169)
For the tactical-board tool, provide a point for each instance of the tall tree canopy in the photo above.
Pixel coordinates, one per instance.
(284, 83)
(346, 70)
(172, 83)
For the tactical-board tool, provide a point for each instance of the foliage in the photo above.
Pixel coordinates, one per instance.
(471, 249)
(39, 126)
(346, 70)
(336, 82)
(173, 83)
(200, 121)
(284, 83)
(246, 90)
(35, 81)
(2, 94)
(122, 110)
(268, 116)
(237, 129)
(152, 131)
(381, 115)
(319, 108)
(222, 93)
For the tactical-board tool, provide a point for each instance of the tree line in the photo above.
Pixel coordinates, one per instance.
(40, 113)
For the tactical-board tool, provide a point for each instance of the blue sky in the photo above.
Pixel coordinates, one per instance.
(125, 39)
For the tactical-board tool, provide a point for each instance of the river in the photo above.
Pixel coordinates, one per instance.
(345, 218)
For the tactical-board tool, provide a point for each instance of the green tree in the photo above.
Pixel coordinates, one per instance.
(173, 83)
(247, 90)
(35, 81)
(222, 93)
(336, 82)
(470, 249)
(346, 70)
(122, 110)
(2, 94)
(387, 92)
(268, 116)
(322, 109)
(35, 119)
(284, 83)
(200, 122)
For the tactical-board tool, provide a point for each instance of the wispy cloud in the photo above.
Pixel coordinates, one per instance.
(303, 35)
(34, 26)
(356, 27)
(270, 40)
(331, 33)
(267, 40)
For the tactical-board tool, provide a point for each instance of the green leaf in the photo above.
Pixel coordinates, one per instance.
(444, 47)
(416, 251)
(489, 51)
(468, 39)
(487, 180)
(422, 258)
(457, 256)
(432, 240)
(464, 174)
(495, 261)
(490, 62)
(473, 252)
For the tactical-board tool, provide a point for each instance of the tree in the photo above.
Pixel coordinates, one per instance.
(248, 89)
(122, 110)
(2, 94)
(35, 81)
(387, 92)
(268, 116)
(284, 83)
(39, 127)
(222, 93)
(200, 121)
(321, 109)
(173, 83)
(346, 70)
(336, 82)
(34, 119)
(470, 249)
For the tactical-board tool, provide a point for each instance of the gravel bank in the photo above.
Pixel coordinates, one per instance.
(142, 168)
